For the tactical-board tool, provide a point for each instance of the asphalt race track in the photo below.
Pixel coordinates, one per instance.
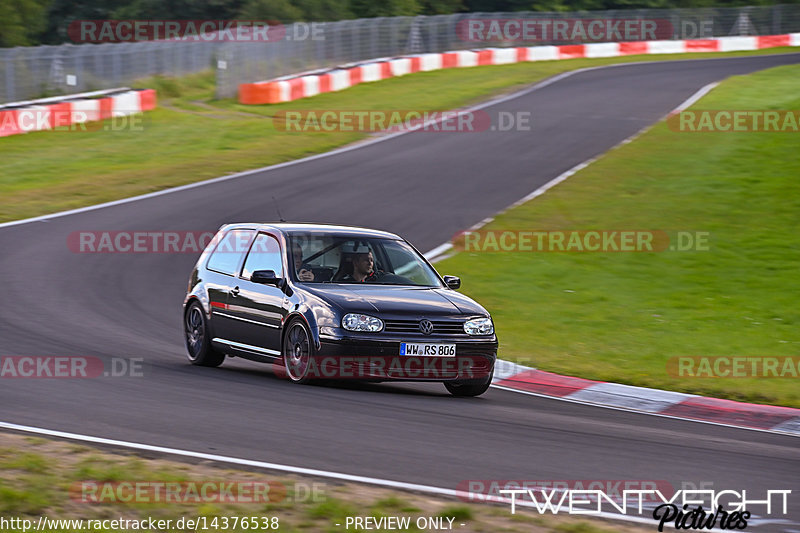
(427, 187)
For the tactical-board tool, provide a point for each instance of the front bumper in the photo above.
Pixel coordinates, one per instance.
(372, 359)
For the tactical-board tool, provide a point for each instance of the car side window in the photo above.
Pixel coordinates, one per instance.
(228, 253)
(265, 254)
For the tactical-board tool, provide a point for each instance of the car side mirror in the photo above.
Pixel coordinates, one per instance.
(266, 277)
(454, 282)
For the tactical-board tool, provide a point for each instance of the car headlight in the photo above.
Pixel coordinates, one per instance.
(357, 322)
(479, 326)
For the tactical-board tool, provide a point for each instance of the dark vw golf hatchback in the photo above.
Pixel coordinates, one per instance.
(335, 303)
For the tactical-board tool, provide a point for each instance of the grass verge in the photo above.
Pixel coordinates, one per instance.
(46, 480)
(192, 137)
(620, 316)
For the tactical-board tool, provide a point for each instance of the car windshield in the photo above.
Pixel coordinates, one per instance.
(331, 258)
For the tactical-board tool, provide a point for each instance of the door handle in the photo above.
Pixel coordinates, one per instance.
(235, 291)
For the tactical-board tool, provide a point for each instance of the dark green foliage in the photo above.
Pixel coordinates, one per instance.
(21, 21)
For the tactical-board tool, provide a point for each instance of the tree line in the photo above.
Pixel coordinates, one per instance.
(33, 22)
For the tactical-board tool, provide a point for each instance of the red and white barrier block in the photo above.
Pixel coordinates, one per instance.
(674, 404)
(306, 85)
(51, 114)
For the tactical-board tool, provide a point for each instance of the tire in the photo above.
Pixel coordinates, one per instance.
(471, 387)
(198, 342)
(298, 350)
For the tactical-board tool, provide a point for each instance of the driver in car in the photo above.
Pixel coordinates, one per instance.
(363, 264)
(304, 272)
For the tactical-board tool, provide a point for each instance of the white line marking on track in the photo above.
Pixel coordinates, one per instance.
(695, 97)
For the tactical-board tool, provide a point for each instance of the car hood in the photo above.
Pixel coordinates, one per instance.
(396, 300)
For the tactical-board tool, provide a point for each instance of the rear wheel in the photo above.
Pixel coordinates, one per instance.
(297, 352)
(198, 343)
(471, 387)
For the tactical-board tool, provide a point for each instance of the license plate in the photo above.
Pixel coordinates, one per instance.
(415, 349)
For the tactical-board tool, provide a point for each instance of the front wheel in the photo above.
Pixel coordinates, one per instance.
(297, 352)
(198, 343)
(471, 387)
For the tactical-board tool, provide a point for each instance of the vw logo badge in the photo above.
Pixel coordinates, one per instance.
(426, 326)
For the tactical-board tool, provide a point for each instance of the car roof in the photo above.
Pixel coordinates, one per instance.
(286, 227)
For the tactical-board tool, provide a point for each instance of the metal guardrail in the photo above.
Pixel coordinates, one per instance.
(31, 72)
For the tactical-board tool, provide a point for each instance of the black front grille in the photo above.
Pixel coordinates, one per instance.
(440, 327)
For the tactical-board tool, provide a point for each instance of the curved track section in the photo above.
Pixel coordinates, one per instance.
(425, 186)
